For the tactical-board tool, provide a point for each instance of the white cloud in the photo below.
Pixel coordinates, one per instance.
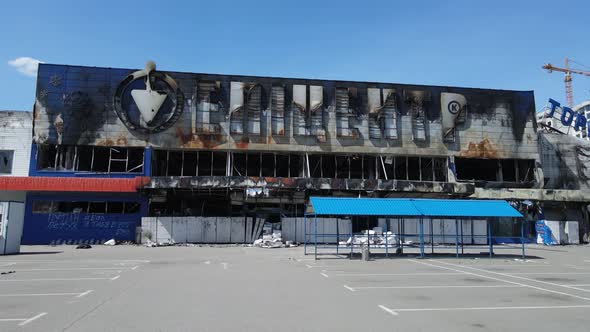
(26, 65)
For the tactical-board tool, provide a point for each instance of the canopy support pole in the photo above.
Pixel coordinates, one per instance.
(490, 238)
(522, 237)
(305, 234)
(421, 237)
(456, 239)
(315, 220)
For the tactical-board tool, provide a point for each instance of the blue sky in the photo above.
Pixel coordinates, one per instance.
(492, 44)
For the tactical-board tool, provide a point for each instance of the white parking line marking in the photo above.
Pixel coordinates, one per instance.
(498, 279)
(71, 269)
(39, 294)
(386, 309)
(529, 279)
(308, 266)
(572, 266)
(431, 287)
(349, 288)
(324, 275)
(486, 308)
(207, 262)
(27, 321)
(115, 278)
(85, 293)
(7, 264)
(392, 274)
(135, 267)
(544, 273)
(52, 279)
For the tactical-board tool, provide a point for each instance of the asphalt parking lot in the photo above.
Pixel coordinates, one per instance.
(132, 288)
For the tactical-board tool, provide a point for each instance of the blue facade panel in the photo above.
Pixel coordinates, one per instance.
(49, 227)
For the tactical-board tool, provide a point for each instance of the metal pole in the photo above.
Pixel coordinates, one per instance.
(305, 234)
(337, 236)
(386, 244)
(490, 238)
(315, 219)
(351, 237)
(462, 243)
(421, 237)
(431, 236)
(456, 239)
(522, 237)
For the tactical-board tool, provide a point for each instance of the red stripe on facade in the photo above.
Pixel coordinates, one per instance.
(34, 183)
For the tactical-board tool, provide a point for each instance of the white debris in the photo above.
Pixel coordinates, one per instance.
(110, 242)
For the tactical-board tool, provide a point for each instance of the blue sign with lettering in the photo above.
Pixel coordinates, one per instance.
(568, 116)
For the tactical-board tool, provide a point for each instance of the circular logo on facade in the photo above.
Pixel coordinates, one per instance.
(454, 107)
(148, 101)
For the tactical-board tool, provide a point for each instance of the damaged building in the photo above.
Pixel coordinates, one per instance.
(239, 148)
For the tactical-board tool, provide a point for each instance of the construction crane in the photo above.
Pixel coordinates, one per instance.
(569, 94)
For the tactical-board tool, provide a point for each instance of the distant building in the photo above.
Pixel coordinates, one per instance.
(16, 130)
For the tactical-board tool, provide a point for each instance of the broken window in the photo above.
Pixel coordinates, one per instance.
(328, 166)
(253, 162)
(42, 206)
(414, 168)
(6, 161)
(239, 164)
(525, 170)
(268, 164)
(132, 207)
(508, 170)
(46, 157)
(369, 167)
(315, 166)
(278, 110)
(219, 163)
(426, 169)
(440, 169)
(282, 165)
(295, 165)
(401, 168)
(101, 159)
(115, 207)
(356, 167)
(204, 163)
(90, 159)
(342, 167)
(174, 163)
(189, 163)
(477, 169)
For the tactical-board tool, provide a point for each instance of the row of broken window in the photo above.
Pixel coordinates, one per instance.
(82, 158)
(45, 207)
(263, 164)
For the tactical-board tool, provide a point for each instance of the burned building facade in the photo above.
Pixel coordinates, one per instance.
(228, 145)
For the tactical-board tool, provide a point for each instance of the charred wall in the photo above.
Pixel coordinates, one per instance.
(79, 106)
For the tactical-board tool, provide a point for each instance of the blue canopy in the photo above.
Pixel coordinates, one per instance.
(403, 207)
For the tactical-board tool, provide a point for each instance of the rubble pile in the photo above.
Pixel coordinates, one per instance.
(373, 237)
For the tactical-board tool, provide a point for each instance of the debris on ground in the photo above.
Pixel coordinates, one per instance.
(110, 242)
(273, 240)
(84, 246)
(374, 237)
